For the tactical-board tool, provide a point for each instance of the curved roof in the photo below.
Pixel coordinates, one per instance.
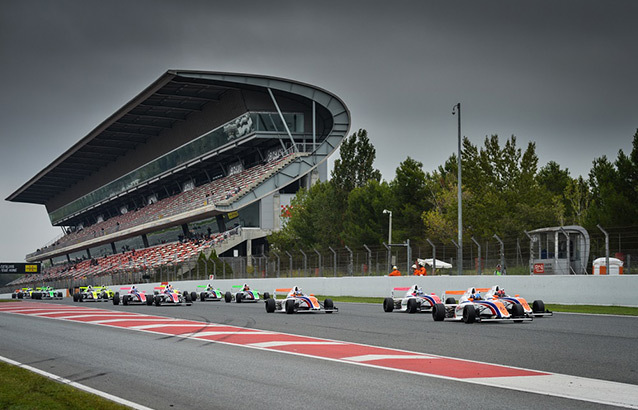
(170, 99)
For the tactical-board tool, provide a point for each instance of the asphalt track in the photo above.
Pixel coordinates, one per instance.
(160, 371)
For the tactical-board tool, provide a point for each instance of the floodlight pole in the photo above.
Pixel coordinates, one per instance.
(385, 211)
(457, 110)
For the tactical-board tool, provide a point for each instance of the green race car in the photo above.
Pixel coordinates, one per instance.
(93, 294)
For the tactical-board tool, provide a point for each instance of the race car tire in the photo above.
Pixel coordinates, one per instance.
(538, 306)
(388, 305)
(193, 296)
(116, 298)
(149, 300)
(60, 295)
(266, 295)
(238, 297)
(80, 297)
(270, 305)
(438, 312)
(450, 301)
(228, 297)
(290, 306)
(75, 297)
(469, 314)
(202, 296)
(412, 306)
(517, 310)
(187, 298)
(328, 304)
(20, 296)
(13, 296)
(184, 293)
(158, 301)
(125, 299)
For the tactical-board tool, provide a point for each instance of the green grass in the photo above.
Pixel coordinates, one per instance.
(608, 310)
(21, 389)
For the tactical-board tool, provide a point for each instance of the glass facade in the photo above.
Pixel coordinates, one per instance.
(240, 127)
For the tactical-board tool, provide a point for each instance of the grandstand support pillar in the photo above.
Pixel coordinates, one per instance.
(113, 248)
(185, 231)
(221, 224)
(144, 240)
(249, 252)
(88, 253)
(292, 140)
(68, 259)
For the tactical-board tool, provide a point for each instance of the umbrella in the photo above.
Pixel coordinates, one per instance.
(439, 264)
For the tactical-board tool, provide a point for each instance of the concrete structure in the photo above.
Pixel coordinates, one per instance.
(560, 250)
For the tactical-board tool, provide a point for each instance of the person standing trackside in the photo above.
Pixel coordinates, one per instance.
(498, 271)
(395, 272)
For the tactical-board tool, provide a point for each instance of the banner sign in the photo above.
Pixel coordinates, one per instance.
(20, 267)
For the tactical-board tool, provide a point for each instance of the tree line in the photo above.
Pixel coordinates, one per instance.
(504, 192)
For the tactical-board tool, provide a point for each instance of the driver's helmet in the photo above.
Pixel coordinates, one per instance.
(209, 286)
(297, 290)
(246, 287)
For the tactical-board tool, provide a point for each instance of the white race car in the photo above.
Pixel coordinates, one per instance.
(473, 307)
(242, 294)
(132, 296)
(412, 301)
(297, 301)
(537, 309)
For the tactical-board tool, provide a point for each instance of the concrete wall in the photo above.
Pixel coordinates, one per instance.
(585, 290)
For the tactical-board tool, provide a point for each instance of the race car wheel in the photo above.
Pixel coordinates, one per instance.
(80, 297)
(149, 300)
(388, 305)
(327, 304)
(125, 299)
(228, 297)
(412, 305)
(469, 314)
(538, 306)
(193, 296)
(116, 298)
(438, 312)
(13, 296)
(202, 296)
(450, 301)
(187, 298)
(290, 306)
(60, 295)
(75, 297)
(20, 296)
(270, 305)
(158, 301)
(239, 297)
(266, 295)
(518, 311)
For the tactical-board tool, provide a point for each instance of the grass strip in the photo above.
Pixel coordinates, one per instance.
(22, 389)
(592, 309)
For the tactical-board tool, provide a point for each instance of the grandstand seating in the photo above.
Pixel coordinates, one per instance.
(223, 191)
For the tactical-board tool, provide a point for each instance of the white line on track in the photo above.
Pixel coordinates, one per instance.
(77, 385)
(371, 357)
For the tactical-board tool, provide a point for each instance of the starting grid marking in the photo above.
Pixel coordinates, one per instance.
(558, 385)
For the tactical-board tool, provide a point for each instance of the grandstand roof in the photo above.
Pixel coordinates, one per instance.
(170, 99)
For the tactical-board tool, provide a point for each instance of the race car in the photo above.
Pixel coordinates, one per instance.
(23, 293)
(414, 300)
(93, 294)
(207, 293)
(47, 293)
(166, 295)
(473, 307)
(243, 294)
(297, 301)
(132, 297)
(537, 309)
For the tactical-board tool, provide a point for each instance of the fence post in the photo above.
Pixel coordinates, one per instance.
(409, 254)
(433, 255)
(369, 259)
(532, 239)
(319, 260)
(606, 247)
(503, 271)
(479, 254)
(278, 262)
(389, 258)
(458, 248)
(290, 264)
(334, 260)
(305, 262)
(350, 263)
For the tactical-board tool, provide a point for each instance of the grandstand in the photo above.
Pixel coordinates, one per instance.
(194, 159)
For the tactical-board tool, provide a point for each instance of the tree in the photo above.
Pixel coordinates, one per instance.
(409, 200)
(354, 167)
(364, 219)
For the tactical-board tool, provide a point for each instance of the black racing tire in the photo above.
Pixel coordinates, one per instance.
(450, 301)
(60, 295)
(438, 312)
(158, 300)
(80, 297)
(187, 298)
(202, 296)
(75, 297)
(184, 293)
(290, 306)
(266, 295)
(116, 298)
(125, 300)
(20, 295)
(388, 305)
(538, 306)
(413, 306)
(149, 300)
(270, 305)
(193, 296)
(517, 310)
(238, 297)
(228, 297)
(14, 296)
(328, 304)
(469, 314)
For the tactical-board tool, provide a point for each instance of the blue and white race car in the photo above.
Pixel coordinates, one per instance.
(413, 300)
(474, 307)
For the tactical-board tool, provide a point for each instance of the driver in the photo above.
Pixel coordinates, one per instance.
(296, 291)
(476, 295)
(209, 287)
(246, 287)
(135, 290)
(168, 289)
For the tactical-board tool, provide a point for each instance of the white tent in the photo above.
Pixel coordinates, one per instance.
(439, 264)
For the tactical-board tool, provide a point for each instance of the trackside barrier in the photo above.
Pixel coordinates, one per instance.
(568, 289)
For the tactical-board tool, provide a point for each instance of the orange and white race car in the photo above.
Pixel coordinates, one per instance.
(537, 310)
(413, 300)
(297, 301)
(474, 307)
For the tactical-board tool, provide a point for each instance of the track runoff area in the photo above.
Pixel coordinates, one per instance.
(466, 371)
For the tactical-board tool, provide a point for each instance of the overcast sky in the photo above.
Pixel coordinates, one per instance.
(562, 74)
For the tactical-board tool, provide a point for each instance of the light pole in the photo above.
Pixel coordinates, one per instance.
(459, 252)
(385, 211)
